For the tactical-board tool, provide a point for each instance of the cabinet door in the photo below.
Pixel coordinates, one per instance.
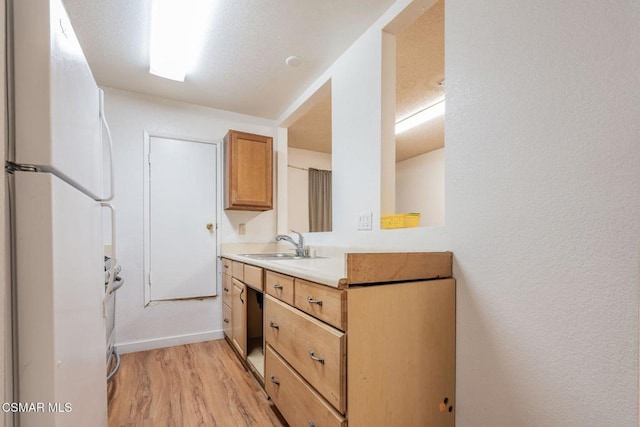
(239, 317)
(248, 172)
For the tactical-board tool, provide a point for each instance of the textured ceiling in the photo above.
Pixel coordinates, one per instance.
(419, 70)
(312, 131)
(242, 67)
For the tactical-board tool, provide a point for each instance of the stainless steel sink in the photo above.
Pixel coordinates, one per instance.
(273, 256)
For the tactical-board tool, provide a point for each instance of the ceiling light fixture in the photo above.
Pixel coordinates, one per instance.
(293, 61)
(178, 29)
(422, 116)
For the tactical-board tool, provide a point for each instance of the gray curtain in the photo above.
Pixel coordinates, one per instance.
(319, 200)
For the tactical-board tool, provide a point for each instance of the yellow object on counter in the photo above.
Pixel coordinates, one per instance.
(400, 220)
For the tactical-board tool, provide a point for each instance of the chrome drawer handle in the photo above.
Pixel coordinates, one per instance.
(226, 289)
(276, 286)
(316, 358)
(226, 320)
(313, 301)
(274, 380)
(274, 325)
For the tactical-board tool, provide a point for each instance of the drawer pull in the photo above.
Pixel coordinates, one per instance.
(226, 320)
(316, 358)
(311, 424)
(274, 380)
(274, 325)
(313, 301)
(276, 286)
(226, 289)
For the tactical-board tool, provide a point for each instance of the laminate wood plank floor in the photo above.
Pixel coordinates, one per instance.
(200, 384)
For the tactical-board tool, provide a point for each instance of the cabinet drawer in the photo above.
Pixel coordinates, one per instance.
(296, 400)
(226, 266)
(325, 303)
(317, 351)
(237, 269)
(280, 286)
(226, 320)
(227, 289)
(253, 277)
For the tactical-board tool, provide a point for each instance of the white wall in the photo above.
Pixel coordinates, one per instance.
(543, 197)
(420, 187)
(542, 193)
(298, 184)
(129, 115)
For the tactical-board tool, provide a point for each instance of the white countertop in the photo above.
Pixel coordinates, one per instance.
(340, 267)
(325, 270)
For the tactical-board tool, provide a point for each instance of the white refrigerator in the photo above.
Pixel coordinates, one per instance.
(57, 179)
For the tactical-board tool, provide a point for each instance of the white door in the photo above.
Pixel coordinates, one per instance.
(182, 219)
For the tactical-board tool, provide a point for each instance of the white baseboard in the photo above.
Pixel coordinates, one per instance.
(150, 344)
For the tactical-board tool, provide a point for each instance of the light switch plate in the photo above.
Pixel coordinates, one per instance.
(365, 220)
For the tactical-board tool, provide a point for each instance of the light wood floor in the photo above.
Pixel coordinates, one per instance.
(190, 385)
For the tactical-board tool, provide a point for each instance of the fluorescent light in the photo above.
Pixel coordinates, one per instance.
(420, 117)
(178, 29)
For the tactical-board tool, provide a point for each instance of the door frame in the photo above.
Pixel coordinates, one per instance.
(146, 222)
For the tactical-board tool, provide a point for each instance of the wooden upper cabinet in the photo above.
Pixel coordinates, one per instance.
(248, 172)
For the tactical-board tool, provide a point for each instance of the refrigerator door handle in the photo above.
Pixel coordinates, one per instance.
(103, 120)
(112, 273)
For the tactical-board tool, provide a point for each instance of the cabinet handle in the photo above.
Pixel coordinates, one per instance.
(274, 325)
(276, 286)
(240, 296)
(225, 289)
(274, 380)
(316, 358)
(226, 320)
(311, 424)
(313, 301)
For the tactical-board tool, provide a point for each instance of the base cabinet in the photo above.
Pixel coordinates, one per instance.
(398, 350)
(373, 355)
(401, 354)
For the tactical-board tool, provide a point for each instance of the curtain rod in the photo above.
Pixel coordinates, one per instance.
(297, 167)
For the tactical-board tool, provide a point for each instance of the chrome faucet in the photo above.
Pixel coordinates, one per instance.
(300, 251)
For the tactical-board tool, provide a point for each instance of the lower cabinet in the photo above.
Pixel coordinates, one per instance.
(374, 355)
(242, 313)
(392, 365)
